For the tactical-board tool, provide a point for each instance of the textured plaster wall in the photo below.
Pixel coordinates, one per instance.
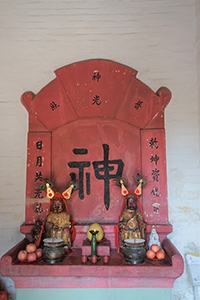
(159, 38)
(198, 49)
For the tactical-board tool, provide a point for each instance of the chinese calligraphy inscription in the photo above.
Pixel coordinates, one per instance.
(53, 105)
(155, 173)
(96, 100)
(96, 76)
(106, 169)
(102, 171)
(38, 174)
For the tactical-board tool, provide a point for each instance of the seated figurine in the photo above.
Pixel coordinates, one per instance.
(58, 223)
(131, 224)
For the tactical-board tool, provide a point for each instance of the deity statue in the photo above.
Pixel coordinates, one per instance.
(153, 237)
(131, 223)
(58, 224)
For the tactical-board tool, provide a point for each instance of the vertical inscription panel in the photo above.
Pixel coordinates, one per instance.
(38, 168)
(155, 203)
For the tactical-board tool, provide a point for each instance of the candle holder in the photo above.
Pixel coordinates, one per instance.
(94, 257)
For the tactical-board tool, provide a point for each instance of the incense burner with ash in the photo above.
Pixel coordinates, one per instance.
(134, 250)
(53, 251)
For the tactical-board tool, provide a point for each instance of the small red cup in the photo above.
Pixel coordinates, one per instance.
(105, 259)
(94, 259)
(84, 259)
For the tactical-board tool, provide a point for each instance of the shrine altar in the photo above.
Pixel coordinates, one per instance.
(94, 123)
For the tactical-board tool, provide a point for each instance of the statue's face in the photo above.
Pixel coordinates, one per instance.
(132, 204)
(57, 205)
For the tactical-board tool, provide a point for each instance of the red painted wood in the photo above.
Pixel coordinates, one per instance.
(99, 106)
(52, 107)
(38, 167)
(34, 123)
(124, 143)
(74, 121)
(81, 88)
(71, 271)
(154, 168)
(141, 105)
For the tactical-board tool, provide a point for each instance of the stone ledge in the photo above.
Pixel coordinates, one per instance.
(71, 273)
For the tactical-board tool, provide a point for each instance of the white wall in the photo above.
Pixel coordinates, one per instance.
(159, 38)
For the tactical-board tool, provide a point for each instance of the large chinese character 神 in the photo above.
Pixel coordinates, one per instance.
(106, 169)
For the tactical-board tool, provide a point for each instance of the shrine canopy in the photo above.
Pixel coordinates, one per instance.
(96, 122)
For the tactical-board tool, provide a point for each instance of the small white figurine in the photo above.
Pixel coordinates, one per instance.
(153, 237)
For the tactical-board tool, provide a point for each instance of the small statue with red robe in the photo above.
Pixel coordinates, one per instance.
(58, 224)
(131, 223)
